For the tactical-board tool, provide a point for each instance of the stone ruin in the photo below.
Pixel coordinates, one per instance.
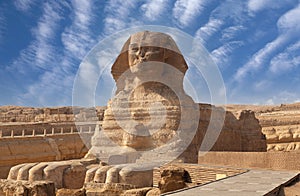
(149, 122)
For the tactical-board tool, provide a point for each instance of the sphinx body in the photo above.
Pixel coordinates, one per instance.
(149, 121)
(150, 117)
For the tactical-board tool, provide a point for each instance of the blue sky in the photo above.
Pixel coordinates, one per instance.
(255, 43)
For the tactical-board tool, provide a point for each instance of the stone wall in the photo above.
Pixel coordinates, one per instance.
(54, 114)
(19, 150)
(240, 132)
(280, 124)
(269, 160)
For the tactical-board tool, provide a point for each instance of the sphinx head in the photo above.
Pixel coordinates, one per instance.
(148, 46)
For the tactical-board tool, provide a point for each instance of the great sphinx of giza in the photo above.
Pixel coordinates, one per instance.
(150, 120)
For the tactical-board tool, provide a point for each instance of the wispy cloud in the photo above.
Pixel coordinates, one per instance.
(204, 33)
(228, 12)
(231, 32)
(259, 58)
(221, 55)
(185, 11)
(54, 85)
(24, 5)
(288, 26)
(118, 15)
(77, 38)
(153, 9)
(41, 51)
(258, 5)
(262, 85)
(286, 60)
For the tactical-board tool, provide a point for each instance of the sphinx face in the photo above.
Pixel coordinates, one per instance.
(141, 51)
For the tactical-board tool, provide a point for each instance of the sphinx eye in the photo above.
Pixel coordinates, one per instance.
(133, 48)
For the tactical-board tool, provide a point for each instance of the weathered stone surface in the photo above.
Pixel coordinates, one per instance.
(90, 174)
(37, 172)
(23, 173)
(100, 175)
(280, 124)
(19, 114)
(24, 188)
(104, 189)
(137, 192)
(153, 192)
(73, 177)
(70, 192)
(138, 177)
(172, 178)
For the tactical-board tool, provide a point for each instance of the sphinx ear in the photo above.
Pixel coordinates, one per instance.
(167, 55)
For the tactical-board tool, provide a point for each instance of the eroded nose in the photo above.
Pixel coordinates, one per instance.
(142, 52)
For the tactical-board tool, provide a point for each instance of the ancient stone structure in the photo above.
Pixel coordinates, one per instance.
(150, 121)
(150, 111)
(280, 124)
(23, 188)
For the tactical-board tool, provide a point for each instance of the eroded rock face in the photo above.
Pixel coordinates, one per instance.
(24, 188)
(172, 178)
(280, 124)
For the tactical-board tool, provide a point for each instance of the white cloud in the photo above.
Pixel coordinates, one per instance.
(228, 12)
(259, 5)
(77, 38)
(221, 55)
(259, 58)
(288, 26)
(205, 32)
(286, 60)
(231, 32)
(40, 50)
(283, 97)
(270, 102)
(153, 9)
(118, 15)
(185, 11)
(24, 5)
(289, 23)
(261, 85)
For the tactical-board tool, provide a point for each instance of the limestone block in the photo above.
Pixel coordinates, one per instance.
(25, 188)
(153, 192)
(70, 192)
(90, 174)
(139, 178)
(104, 189)
(73, 177)
(100, 175)
(13, 173)
(137, 192)
(285, 137)
(37, 172)
(23, 173)
(54, 172)
(172, 178)
(112, 175)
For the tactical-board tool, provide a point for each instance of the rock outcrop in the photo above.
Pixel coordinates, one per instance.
(24, 188)
(173, 178)
(280, 124)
